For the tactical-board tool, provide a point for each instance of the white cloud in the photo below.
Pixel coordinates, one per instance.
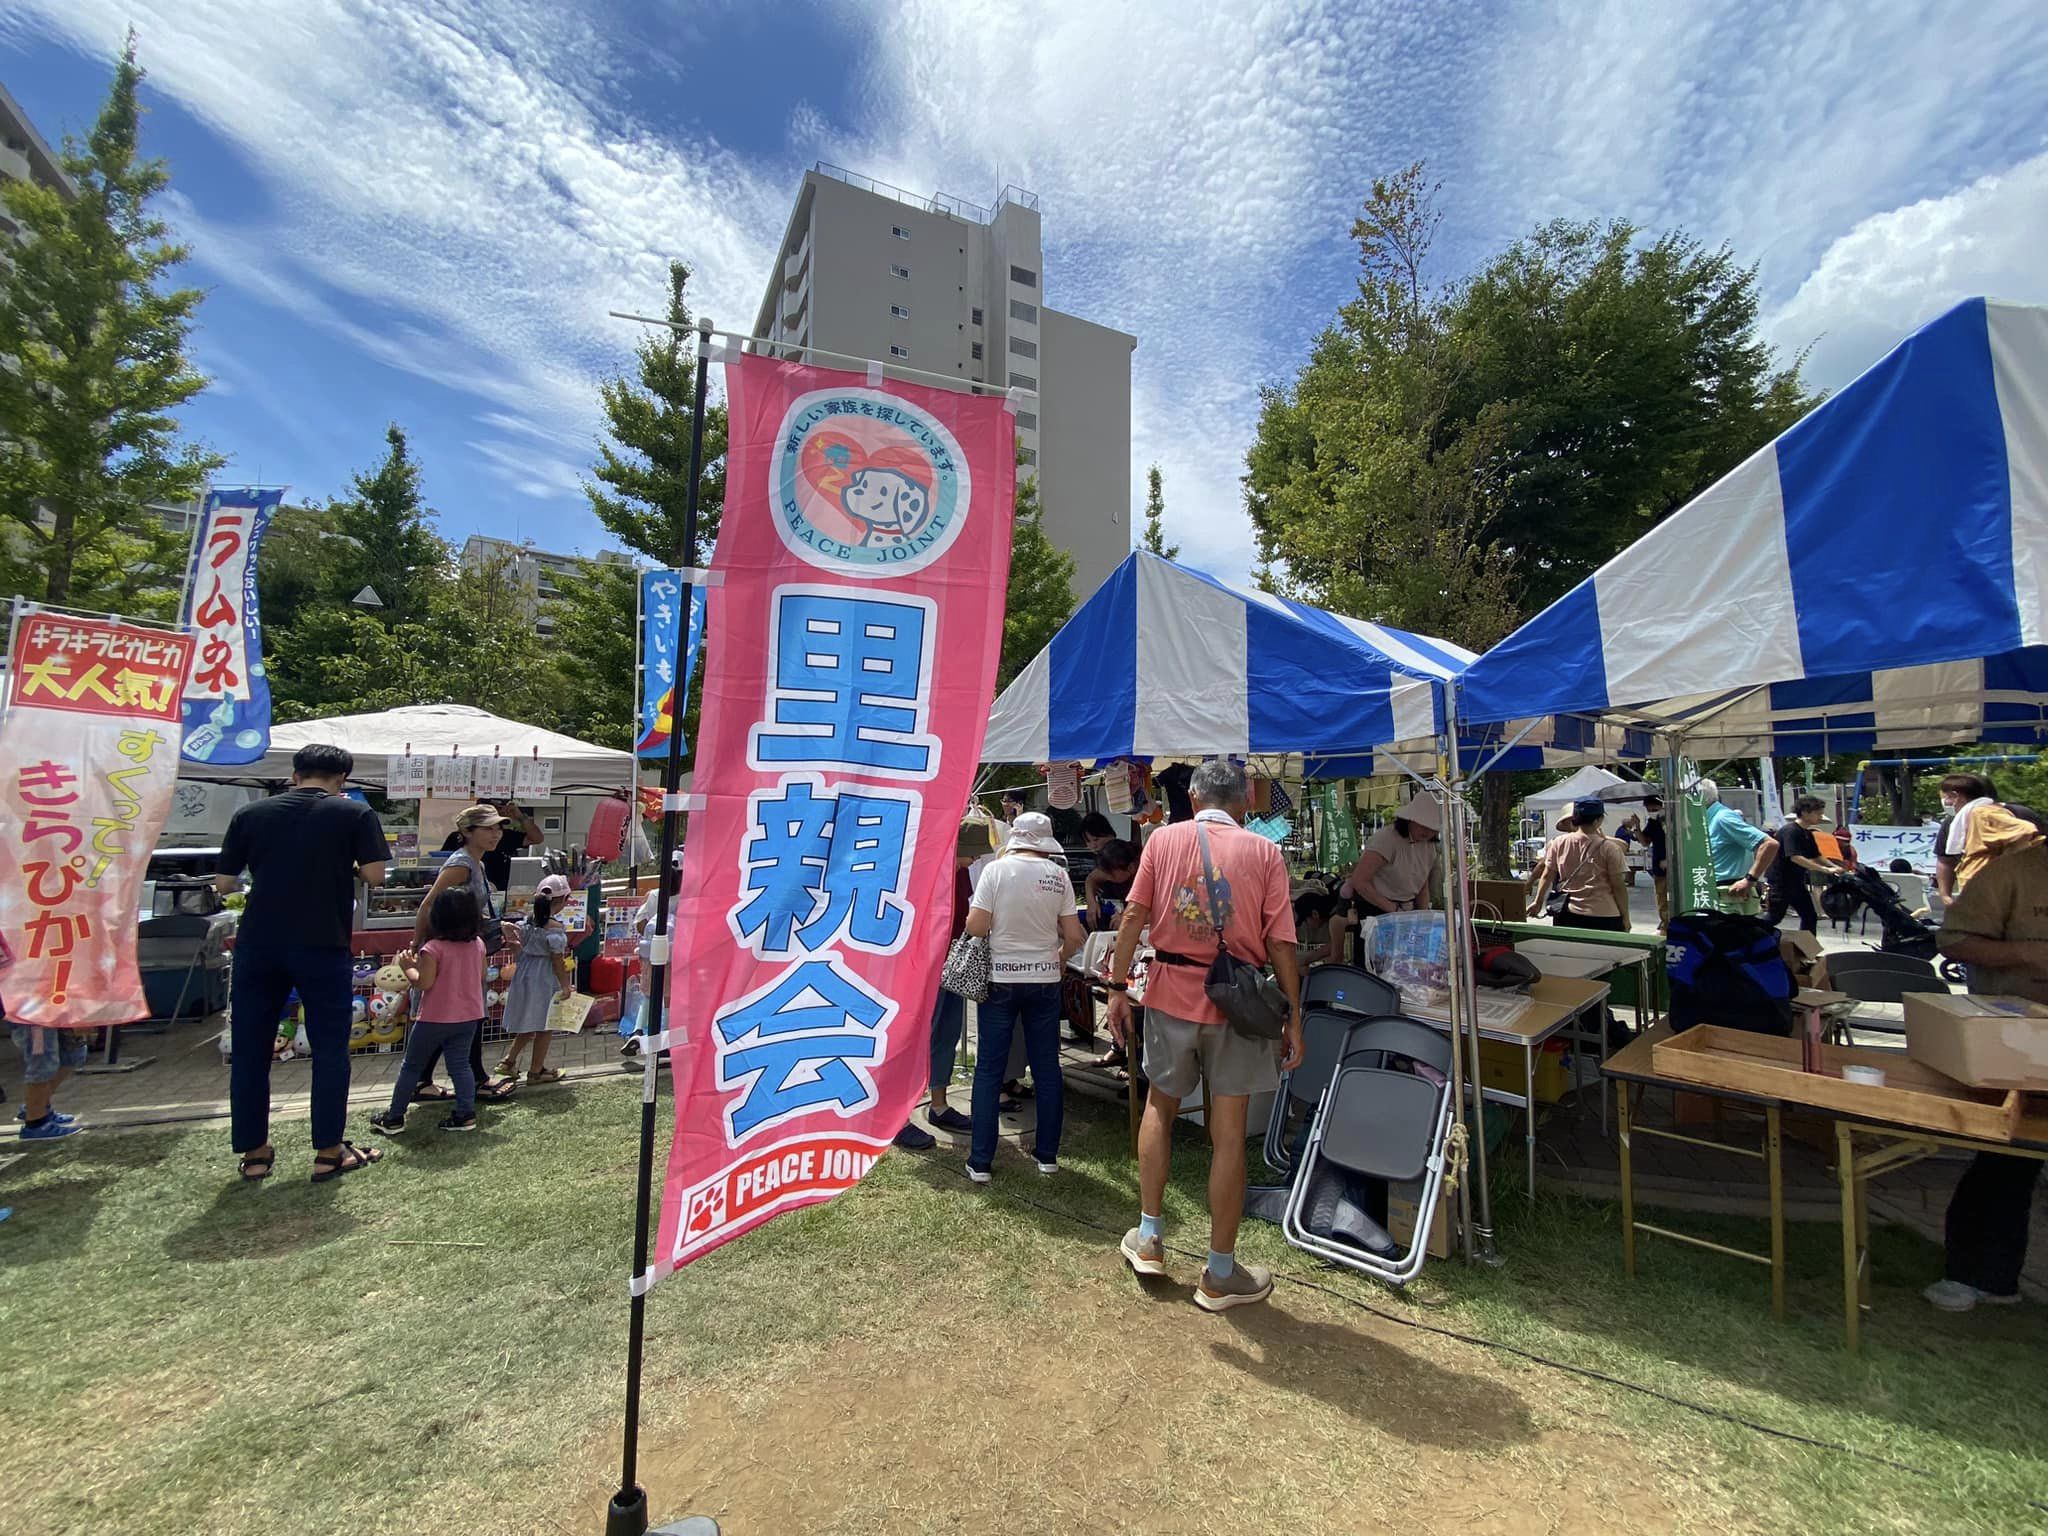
(459, 193)
(1896, 270)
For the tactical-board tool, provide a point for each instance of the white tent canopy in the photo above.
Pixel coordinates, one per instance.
(1585, 784)
(432, 730)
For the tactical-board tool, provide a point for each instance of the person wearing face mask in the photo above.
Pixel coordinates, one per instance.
(1975, 828)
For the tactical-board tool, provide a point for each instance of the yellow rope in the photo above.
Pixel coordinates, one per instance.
(1455, 1158)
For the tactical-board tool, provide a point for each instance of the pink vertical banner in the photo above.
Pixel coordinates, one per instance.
(88, 761)
(850, 666)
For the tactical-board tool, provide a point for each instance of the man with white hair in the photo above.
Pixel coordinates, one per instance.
(1190, 874)
(1740, 852)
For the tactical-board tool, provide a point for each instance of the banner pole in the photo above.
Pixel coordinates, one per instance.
(627, 1514)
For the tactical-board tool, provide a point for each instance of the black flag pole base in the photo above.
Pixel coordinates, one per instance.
(627, 1516)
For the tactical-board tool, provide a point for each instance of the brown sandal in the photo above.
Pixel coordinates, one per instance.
(332, 1165)
(544, 1075)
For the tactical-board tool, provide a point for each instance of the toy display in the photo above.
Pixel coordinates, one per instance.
(390, 978)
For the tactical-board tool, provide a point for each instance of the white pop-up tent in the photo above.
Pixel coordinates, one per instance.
(431, 730)
(1585, 784)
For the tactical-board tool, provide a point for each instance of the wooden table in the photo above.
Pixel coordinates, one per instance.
(1903, 1120)
(1556, 1003)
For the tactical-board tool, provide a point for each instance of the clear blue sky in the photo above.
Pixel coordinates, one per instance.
(421, 212)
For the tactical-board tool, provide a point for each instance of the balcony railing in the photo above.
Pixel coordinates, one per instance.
(943, 202)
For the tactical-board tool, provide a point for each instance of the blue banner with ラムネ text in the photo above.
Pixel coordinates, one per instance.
(664, 683)
(227, 695)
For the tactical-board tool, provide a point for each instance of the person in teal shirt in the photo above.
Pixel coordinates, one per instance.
(1741, 853)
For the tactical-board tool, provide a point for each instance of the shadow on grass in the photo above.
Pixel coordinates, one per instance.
(1981, 1378)
(285, 1213)
(1396, 1391)
(57, 1189)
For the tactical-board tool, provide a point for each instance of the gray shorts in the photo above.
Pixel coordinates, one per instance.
(1180, 1056)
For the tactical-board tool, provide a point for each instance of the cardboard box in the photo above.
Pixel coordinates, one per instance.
(1805, 958)
(1984, 1042)
(1401, 1221)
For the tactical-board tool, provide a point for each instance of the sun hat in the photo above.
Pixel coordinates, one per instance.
(478, 816)
(1033, 830)
(554, 887)
(1423, 811)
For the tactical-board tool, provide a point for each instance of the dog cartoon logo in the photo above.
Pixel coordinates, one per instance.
(867, 484)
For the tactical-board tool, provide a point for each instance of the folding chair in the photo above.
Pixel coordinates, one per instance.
(1873, 976)
(1350, 989)
(1376, 1123)
(1323, 1030)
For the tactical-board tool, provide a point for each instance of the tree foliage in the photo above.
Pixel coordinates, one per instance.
(96, 347)
(641, 484)
(1040, 597)
(1155, 516)
(1455, 455)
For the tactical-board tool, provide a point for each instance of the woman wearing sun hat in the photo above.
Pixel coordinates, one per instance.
(1398, 864)
(480, 829)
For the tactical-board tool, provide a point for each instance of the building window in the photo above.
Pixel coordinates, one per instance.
(1022, 381)
(899, 311)
(1019, 310)
(899, 232)
(1027, 421)
(977, 352)
(1024, 277)
(899, 351)
(1023, 348)
(1027, 455)
(896, 271)
(976, 317)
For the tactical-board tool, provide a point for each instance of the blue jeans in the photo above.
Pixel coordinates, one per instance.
(421, 1047)
(949, 1018)
(264, 977)
(1033, 1007)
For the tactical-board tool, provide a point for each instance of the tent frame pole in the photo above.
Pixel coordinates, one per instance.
(1464, 1026)
(627, 1513)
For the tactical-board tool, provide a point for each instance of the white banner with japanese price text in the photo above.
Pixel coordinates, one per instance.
(88, 764)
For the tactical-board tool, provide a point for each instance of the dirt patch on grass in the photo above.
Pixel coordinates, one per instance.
(1124, 1408)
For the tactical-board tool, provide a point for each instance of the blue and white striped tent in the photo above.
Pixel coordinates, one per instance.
(1166, 662)
(1870, 581)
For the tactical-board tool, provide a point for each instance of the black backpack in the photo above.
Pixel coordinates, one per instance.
(1726, 969)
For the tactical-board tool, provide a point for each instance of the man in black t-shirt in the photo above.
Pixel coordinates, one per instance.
(1660, 871)
(303, 850)
(1799, 859)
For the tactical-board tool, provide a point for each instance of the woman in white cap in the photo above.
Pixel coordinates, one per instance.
(542, 974)
(1396, 869)
(1023, 904)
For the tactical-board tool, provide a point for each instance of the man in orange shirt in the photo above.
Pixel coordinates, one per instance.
(1188, 871)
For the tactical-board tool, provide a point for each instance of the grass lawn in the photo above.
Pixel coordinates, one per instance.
(182, 1353)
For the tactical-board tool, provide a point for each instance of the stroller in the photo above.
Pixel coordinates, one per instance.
(1850, 891)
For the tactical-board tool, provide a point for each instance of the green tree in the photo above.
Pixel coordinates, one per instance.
(1155, 517)
(388, 538)
(95, 343)
(640, 486)
(1040, 597)
(596, 644)
(639, 489)
(1455, 455)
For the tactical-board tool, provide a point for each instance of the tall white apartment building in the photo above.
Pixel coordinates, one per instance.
(24, 156)
(531, 572)
(940, 285)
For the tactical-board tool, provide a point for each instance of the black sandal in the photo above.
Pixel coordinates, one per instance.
(430, 1093)
(332, 1165)
(254, 1161)
(496, 1092)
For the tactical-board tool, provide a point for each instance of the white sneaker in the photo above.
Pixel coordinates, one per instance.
(1048, 1168)
(1956, 1296)
(978, 1175)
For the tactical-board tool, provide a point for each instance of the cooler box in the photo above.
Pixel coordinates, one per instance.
(1983, 1042)
(607, 976)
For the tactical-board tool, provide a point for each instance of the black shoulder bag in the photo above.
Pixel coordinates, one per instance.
(1250, 1001)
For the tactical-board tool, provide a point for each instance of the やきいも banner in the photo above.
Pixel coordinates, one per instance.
(88, 762)
(851, 660)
